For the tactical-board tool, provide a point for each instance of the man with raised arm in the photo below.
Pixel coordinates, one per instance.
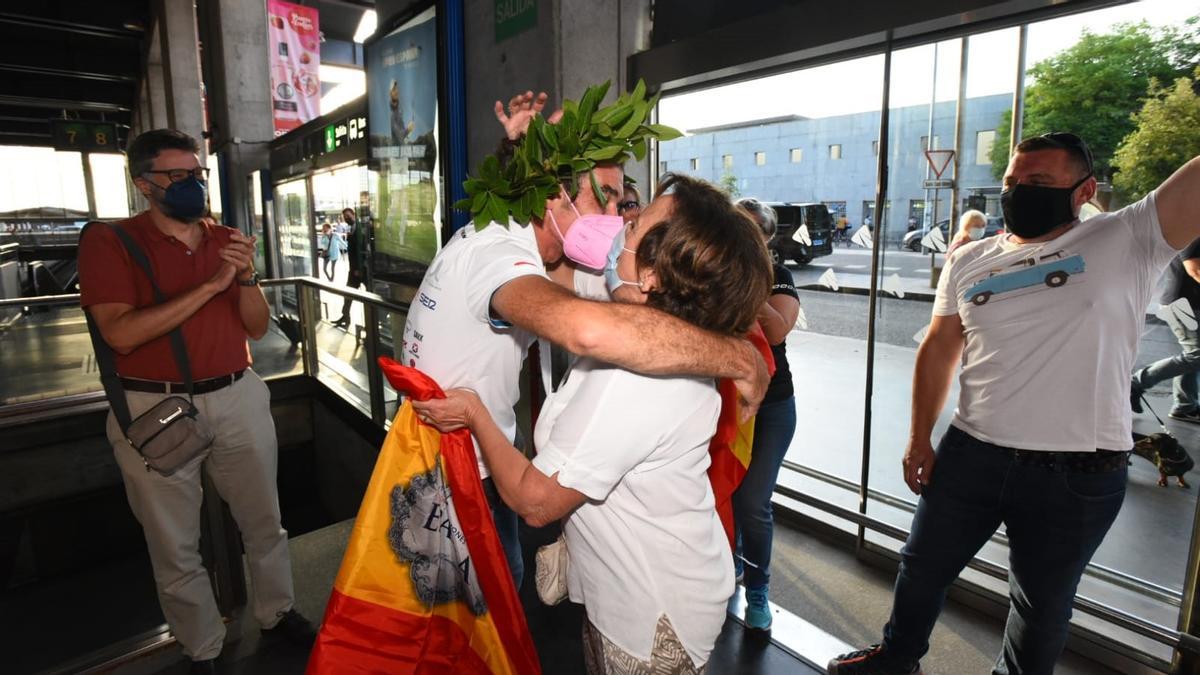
(1045, 321)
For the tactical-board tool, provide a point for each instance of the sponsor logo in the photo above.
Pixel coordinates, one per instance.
(428, 302)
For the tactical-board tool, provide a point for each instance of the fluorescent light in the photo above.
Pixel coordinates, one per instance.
(366, 26)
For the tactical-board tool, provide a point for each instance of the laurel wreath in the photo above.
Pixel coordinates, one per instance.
(550, 155)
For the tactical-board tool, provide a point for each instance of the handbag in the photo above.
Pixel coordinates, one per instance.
(551, 565)
(171, 433)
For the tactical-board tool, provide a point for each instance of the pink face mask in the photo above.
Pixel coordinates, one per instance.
(590, 238)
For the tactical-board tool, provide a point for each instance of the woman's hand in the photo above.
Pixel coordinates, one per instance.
(457, 411)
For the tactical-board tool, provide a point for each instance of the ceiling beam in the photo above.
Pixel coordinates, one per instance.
(74, 74)
(69, 26)
(61, 104)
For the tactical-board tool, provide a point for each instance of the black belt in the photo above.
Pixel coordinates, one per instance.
(1100, 461)
(199, 387)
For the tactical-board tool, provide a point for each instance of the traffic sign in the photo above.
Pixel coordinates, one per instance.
(939, 160)
(937, 184)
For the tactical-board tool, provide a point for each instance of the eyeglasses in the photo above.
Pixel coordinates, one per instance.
(180, 175)
(626, 206)
(1071, 143)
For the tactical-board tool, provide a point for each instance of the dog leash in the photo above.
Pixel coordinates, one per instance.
(1162, 425)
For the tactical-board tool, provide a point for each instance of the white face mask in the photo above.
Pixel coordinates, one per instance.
(975, 233)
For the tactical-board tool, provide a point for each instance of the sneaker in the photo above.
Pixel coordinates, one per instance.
(294, 628)
(870, 661)
(1193, 416)
(758, 610)
(1135, 395)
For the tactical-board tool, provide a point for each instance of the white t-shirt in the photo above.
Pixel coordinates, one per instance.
(449, 334)
(1052, 329)
(588, 285)
(648, 541)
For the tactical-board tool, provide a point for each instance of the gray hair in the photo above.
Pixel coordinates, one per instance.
(969, 217)
(764, 216)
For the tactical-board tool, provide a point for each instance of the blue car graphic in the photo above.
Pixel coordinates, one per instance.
(1052, 270)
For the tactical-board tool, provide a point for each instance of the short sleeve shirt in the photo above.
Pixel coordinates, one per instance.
(215, 336)
(451, 334)
(1051, 330)
(649, 541)
(1180, 284)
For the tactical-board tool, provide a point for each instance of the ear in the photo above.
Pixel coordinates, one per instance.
(1087, 191)
(649, 279)
(143, 185)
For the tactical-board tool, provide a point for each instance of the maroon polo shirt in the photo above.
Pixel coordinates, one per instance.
(214, 335)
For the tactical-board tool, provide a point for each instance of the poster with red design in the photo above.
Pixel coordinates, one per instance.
(295, 44)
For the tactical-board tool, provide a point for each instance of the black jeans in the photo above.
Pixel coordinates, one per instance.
(1056, 518)
(353, 280)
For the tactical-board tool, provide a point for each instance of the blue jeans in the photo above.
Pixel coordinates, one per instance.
(507, 527)
(753, 517)
(1183, 369)
(1055, 518)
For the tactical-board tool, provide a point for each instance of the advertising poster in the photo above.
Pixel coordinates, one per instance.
(403, 112)
(295, 44)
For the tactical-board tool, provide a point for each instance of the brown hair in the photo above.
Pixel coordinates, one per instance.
(712, 265)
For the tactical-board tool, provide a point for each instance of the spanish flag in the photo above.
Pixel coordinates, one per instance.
(424, 586)
(729, 450)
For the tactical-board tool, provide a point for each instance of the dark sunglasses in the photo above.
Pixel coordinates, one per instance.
(625, 206)
(180, 175)
(1071, 143)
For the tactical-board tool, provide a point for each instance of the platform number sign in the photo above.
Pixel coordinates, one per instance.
(72, 135)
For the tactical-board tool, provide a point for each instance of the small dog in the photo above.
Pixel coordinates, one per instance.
(1165, 452)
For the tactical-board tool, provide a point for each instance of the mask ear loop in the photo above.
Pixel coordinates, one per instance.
(554, 221)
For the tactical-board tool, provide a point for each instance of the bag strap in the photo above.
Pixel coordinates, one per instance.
(106, 358)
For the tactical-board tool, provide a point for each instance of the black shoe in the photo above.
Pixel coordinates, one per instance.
(294, 628)
(1135, 396)
(205, 667)
(870, 661)
(1193, 416)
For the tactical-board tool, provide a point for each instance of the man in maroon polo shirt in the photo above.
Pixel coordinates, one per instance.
(206, 273)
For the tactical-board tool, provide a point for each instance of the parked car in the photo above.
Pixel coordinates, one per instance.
(912, 240)
(787, 244)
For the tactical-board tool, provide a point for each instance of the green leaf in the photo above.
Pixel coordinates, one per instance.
(600, 196)
(639, 90)
(639, 149)
(604, 153)
(634, 121)
(663, 132)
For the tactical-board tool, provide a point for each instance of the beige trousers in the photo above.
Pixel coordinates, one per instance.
(242, 464)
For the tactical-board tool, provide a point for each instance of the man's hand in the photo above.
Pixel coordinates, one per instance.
(521, 109)
(752, 388)
(452, 413)
(918, 464)
(239, 252)
(224, 276)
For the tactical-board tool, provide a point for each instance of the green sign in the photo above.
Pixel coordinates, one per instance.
(330, 139)
(71, 135)
(514, 16)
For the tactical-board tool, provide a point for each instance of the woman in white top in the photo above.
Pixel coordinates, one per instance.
(624, 456)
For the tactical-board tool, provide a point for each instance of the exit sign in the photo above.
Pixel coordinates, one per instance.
(514, 16)
(78, 136)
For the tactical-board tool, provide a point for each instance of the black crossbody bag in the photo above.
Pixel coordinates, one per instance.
(171, 433)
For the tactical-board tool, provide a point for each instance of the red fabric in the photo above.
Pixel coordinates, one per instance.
(726, 469)
(215, 336)
(362, 640)
(475, 518)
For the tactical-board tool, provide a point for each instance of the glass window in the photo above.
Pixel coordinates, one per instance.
(797, 154)
(983, 146)
(727, 161)
(835, 151)
(662, 168)
(42, 183)
(215, 199)
(110, 185)
(874, 148)
(760, 158)
(293, 223)
(695, 164)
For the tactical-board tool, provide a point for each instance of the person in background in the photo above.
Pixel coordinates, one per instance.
(773, 430)
(650, 565)
(970, 228)
(1182, 277)
(356, 254)
(630, 206)
(331, 250)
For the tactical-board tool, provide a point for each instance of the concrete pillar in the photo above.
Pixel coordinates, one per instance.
(238, 85)
(180, 51)
(576, 43)
(156, 93)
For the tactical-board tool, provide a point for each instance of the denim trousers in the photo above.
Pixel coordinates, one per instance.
(508, 528)
(1055, 521)
(773, 429)
(1183, 369)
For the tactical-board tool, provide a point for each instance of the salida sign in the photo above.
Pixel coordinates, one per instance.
(514, 16)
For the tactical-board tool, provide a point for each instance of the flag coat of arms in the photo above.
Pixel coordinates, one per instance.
(424, 585)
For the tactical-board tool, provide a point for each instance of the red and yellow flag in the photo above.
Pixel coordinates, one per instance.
(424, 585)
(730, 447)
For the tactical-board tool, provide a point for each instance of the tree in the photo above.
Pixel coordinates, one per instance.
(729, 183)
(1167, 134)
(1091, 87)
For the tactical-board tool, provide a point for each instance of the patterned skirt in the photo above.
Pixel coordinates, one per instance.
(667, 656)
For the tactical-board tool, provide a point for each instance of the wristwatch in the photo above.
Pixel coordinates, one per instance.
(252, 281)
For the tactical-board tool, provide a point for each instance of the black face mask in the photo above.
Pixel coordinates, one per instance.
(1032, 211)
